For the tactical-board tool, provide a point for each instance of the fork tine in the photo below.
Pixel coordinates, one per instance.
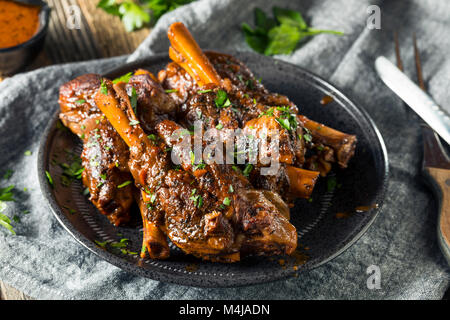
(397, 52)
(434, 154)
(418, 64)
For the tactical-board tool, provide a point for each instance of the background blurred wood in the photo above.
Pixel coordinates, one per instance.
(100, 36)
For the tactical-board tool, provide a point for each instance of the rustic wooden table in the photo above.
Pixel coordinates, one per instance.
(100, 36)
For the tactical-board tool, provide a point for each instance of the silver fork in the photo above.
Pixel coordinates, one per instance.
(436, 163)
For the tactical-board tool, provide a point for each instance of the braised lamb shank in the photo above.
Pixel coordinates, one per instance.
(217, 212)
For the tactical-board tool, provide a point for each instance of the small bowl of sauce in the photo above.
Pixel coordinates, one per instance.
(23, 27)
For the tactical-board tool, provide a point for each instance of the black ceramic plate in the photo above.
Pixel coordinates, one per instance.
(327, 226)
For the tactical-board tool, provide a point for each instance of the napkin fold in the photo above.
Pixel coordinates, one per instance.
(45, 262)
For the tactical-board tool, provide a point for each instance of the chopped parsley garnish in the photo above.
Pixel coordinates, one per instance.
(204, 91)
(8, 174)
(101, 244)
(192, 157)
(235, 168)
(134, 122)
(195, 167)
(80, 101)
(248, 169)
(307, 135)
(221, 99)
(219, 126)
(27, 153)
(230, 189)
(120, 186)
(171, 90)
(152, 137)
(197, 199)
(73, 171)
(103, 88)
(71, 211)
(49, 178)
(226, 201)
(133, 99)
(287, 120)
(125, 78)
(6, 222)
(6, 195)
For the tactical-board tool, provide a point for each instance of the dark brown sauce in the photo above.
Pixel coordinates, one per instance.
(326, 100)
(360, 209)
(300, 259)
(191, 267)
(366, 208)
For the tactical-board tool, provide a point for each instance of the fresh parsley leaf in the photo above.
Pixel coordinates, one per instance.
(133, 15)
(133, 100)
(226, 201)
(197, 199)
(282, 39)
(101, 244)
(204, 91)
(49, 178)
(286, 16)
(221, 99)
(6, 222)
(8, 174)
(6, 194)
(124, 78)
(103, 88)
(110, 6)
(280, 35)
(248, 169)
(120, 186)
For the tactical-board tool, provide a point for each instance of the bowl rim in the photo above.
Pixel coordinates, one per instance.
(44, 18)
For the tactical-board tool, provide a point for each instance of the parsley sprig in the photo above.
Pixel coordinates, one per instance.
(139, 13)
(280, 34)
(6, 195)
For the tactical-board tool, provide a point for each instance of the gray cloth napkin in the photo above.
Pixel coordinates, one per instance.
(43, 261)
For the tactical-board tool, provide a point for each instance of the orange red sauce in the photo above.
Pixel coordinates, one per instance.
(18, 23)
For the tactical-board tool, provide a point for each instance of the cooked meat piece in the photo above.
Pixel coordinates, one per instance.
(154, 104)
(214, 211)
(257, 222)
(204, 209)
(105, 158)
(105, 155)
(78, 110)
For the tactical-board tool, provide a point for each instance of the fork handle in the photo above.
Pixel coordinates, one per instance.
(440, 179)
